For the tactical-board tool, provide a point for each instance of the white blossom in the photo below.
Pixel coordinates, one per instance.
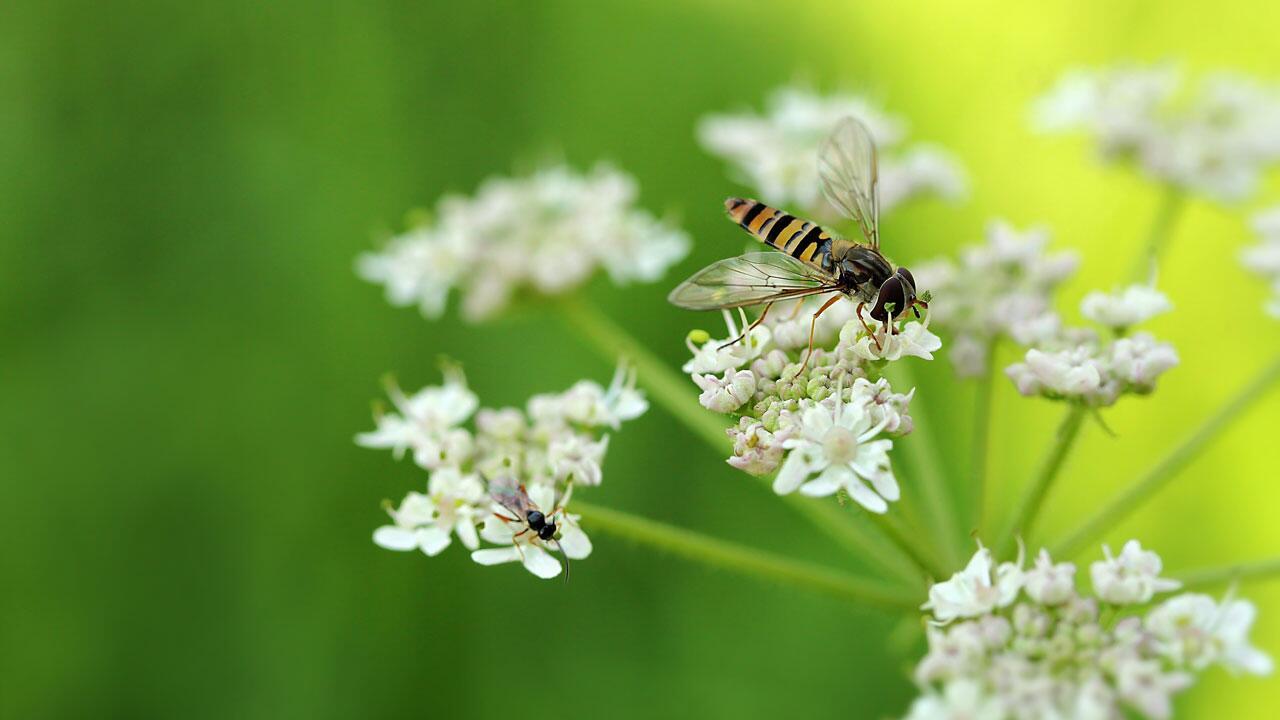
(776, 153)
(555, 445)
(1132, 577)
(545, 233)
(1036, 648)
(1126, 307)
(426, 422)
(726, 394)
(1193, 630)
(978, 589)
(1264, 258)
(815, 419)
(1215, 136)
(1050, 584)
(840, 445)
(1001, 289)
(716, 356)
(1074, 364)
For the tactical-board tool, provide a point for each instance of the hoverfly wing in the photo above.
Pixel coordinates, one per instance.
(850, 174)
(750, 279)
(507, 492)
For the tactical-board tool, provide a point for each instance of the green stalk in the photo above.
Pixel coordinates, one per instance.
(675, 393)
(746, 560)
(923, 451)
(981, 439)
(909, 543)
(1028, 509)
(1170, 208)
(1132, 497)
(1268, 569)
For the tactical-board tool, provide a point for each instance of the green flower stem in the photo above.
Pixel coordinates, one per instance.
(1268, 569)
(981, 438)
(746, 560)
(909, 543)
(923, 451)
(1132, 497)
(675, 393)
(1028, 509)
(1170, 209)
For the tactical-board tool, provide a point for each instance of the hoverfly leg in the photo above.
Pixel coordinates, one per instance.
(813, 326)
(750, 327)
(870, 333)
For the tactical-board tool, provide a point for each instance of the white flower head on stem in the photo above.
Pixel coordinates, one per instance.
(840, 445)
(1001, 289)
(544, 234)
(557, 444)
(978, 589)
(1216, 136)
(1126, 307)
(1051, 654)
(1131, 578)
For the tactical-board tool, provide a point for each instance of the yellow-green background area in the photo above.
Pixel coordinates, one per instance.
(187, 351)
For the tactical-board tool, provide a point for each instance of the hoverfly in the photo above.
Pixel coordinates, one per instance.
(513, 497)
(813, 261)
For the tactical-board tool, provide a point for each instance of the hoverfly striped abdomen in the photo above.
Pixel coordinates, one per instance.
(794, 236)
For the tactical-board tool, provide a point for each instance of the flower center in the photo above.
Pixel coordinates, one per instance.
(840, 445)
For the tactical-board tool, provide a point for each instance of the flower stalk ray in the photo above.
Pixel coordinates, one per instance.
(739, 558)
(1142, 489)
(1024, 516)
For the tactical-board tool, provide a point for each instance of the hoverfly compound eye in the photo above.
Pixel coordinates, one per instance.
(548, 531)
(891, 293)
(536, 520)
(906, 275)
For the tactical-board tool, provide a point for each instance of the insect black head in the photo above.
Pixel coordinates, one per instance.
(892, 293)
(536, 520)
(547, 531)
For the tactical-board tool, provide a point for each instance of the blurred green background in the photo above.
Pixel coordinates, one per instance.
(186, 352)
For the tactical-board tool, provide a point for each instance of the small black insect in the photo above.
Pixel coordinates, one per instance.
(513, 497)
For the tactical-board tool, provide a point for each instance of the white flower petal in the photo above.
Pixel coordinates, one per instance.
(395, 538)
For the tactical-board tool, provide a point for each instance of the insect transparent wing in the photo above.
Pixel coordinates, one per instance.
(507, 492)
(750, 279)
(850, 174)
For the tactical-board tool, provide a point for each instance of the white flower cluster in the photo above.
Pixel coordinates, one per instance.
(1217, 137)
(1264, 258)
(1009, 642)
(547, 233)
(1075, 364)
(825, 428)
(551, 447)
(777, 154)
(1003, 289)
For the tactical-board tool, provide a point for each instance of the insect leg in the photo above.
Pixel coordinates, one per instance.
(813, 326)
(870, 333)
(500, 516)
(751, 327)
